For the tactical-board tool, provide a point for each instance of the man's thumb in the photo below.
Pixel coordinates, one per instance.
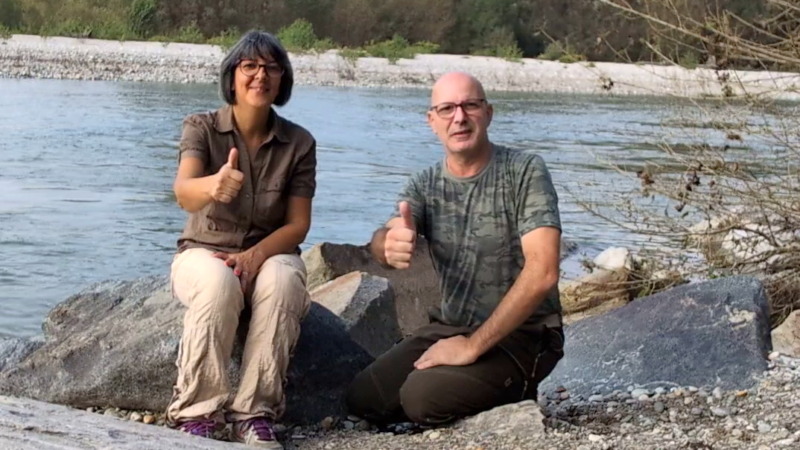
(233, 158)
(408, 218)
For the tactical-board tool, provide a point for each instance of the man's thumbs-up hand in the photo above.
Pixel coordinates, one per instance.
(401, 239)
(228, 181)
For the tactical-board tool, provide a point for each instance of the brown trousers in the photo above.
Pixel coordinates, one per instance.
(390, 390)
(278, 303)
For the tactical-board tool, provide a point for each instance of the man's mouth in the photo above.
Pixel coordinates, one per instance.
(461, 133)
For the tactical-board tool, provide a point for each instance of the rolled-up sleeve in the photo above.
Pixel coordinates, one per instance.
(304, 178)
(194, 140)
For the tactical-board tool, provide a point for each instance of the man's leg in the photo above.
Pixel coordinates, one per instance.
(214, 299)
(374, 394)
(442, 394)
(279, 303)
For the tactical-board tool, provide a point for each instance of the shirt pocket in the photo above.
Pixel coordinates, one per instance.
(270, 202)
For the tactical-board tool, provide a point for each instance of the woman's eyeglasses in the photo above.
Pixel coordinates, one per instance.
(250, 68)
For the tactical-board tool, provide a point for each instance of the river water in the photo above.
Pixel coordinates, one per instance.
(86, 170)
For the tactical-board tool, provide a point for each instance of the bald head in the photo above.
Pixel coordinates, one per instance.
(455, 87)
(460, 115)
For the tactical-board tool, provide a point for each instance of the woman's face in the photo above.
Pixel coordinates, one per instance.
(256, 82)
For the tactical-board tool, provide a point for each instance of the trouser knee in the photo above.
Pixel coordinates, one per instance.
(424, 402)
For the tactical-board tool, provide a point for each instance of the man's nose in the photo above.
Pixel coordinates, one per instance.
(459, 116)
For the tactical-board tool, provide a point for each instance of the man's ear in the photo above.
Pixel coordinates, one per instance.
(489, 114)
(429, 117)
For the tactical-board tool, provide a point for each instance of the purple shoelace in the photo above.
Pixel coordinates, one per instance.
(203, 428)
(263, 429)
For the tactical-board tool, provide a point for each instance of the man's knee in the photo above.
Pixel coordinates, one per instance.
(362, 397)
(425, 400)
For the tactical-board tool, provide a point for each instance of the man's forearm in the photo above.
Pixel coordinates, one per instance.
(377, 246)
(524, 297)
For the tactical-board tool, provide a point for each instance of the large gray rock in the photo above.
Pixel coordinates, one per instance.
(786, 338)
(416, 289)
(714, 333)
(365, 304)
(517, 419)
(115, 344)
(32, 425)
(13, 350)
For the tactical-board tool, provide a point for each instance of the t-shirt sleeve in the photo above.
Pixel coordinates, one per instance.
(413, 192)
(537, 200)
(303, 183)
(194, 140)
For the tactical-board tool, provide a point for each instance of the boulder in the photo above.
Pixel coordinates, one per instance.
(13, 350)
(116, 343)
(365, 304)
(714, 333)
(32, 425)
(416, 289)
(517, 419)
(786, 338)
(607, 288)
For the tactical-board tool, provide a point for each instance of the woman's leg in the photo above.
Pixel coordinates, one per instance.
(214, 299)
(279, 303)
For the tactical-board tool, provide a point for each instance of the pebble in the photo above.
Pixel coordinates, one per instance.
(643, 398)
(564, 396)
(136, 417)
(764, 427)
(91, 409)
(148, 419)
(737, 433)
(660, 391)
(688, 401)
(697, 411)
(434, 435)
(327, 423)
(595, 438)
(720, 412)
(111, 413)
(637, 393)
(280, 428)
(717, 393)
(363, 426)
(348, 425)
(596, 398)
(659, 407)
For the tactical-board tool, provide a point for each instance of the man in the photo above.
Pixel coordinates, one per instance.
(490, 215)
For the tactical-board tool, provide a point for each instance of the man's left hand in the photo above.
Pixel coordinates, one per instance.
(454, 351)
(245, 266)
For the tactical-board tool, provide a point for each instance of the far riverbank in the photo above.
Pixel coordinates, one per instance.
(26, 56)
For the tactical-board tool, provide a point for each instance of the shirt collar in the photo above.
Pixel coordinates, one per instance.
(225, 123)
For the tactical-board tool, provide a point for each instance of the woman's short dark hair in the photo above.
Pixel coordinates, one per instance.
(253, 45)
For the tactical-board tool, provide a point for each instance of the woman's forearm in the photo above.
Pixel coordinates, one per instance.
(193, 194)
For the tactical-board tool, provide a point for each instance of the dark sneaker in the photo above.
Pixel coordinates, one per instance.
(258, 432)
(202, 428)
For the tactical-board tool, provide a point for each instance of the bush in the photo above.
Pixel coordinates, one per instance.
(299, 36)
(226, 39)
(142, 19)
(10, 14)
(190, 34)
(398, 47)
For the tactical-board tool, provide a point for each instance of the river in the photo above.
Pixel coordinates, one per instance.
(87, 171)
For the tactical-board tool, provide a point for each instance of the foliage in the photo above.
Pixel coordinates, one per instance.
(724, 197)
(142, 17)
(10, 14)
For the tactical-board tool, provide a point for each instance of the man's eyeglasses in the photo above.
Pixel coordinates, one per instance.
(250, 68)
(448, 110)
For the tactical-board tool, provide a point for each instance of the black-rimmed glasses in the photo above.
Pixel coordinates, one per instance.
(250, 68)
(448, 109)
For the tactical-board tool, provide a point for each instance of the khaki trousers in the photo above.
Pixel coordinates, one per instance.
(212, 293)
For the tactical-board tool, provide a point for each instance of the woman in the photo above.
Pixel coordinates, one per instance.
(247, 177)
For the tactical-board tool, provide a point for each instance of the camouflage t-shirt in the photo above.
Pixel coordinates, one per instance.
(474, 225)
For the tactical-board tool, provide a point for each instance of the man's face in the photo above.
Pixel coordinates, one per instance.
(460, 115)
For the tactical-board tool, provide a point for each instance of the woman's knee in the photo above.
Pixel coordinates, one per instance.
(281, 283)
(206, 284)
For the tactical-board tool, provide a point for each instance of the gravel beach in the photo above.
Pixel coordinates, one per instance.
(766, 417)
(25, 56)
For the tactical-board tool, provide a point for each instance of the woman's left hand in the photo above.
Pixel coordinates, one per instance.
(245, 266)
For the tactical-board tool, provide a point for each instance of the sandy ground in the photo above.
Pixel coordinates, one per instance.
(24, 56)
